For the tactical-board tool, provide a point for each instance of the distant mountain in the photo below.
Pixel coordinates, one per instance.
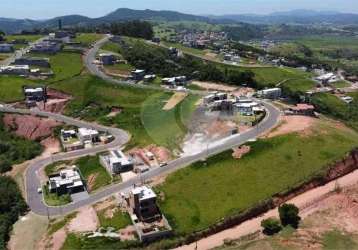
(10, 25)
(164, 15)
(296, 17)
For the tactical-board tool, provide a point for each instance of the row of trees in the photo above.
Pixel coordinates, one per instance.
(12, 205)
(160, 61)
(14, 149)
(138, 29)
(288, 214)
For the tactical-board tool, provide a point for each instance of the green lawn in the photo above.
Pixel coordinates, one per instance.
(119, 220)
(295, 86)
(200, 195)
(88, 38)
(11, 88)
(166, 128)
(111, 46)
(29, 38)
(341, 84)
(52, 199)
(90, 167)
(335, 240)
(65, 65)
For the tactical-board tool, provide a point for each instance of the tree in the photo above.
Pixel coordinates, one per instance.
(271, 226)
(289, 215)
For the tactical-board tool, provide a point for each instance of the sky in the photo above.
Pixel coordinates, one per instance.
(41, 9)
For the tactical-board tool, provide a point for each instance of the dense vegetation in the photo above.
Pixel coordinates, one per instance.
(331, 105)
(159, 61)
(12, 205)
(137, 29)
(14, 149)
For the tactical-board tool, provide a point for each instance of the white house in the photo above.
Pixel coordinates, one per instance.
(87, 135)
(116, 162)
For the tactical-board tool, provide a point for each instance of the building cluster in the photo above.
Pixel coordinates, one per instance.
(149, 223)
(67, 181)
(327, 78)
(28, 66)
(237, 105)
(175, 81)
(6, 48)
(75, 139)
(201, 39)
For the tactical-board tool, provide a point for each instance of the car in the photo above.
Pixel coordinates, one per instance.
(39, 190)
(163, 164)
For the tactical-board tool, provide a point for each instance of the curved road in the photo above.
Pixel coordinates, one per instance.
(32, 180)
(35, 201)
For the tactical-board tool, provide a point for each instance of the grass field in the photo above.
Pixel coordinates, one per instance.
(65, 65)
(111, 46)
(52, 199)
(88, 38)
(90, 168)
(200, 195)
(11, 88)
(118, 221)
(166, 128)
(336, 239)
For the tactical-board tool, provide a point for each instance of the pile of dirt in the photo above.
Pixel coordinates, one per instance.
(239, 152)
(56, 101)
(244, 92)
(161, 153)
(30, 127)
(214, 86)
(220, 128)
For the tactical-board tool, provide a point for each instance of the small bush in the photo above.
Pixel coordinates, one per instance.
(271, 226)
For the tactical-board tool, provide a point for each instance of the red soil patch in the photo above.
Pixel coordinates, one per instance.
(239, 152)
(30, 127)
(292, 124)
(161, 153)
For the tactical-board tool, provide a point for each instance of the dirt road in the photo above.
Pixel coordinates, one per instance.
(303, 201)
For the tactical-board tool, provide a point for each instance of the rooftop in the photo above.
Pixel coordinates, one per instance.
(144, 193)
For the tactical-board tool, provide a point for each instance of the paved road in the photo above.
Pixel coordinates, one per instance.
(90, 57)
(35, 201)
(19, 53)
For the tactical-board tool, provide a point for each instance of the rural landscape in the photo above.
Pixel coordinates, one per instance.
(156, 129)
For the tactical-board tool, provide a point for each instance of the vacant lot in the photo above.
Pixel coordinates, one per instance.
(88, 38)
(202, 194)
(11, 88)
(166, 127)
(95, 174)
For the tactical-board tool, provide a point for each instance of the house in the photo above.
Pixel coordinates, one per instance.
(70, 141)
(6, 48)
(138, 74)
(327, 78)
(143, 202)
(149, 78)
(146, 217)
(273, 93)
(33, 61)
(246, 108)
(35, 94)
(216, 96)
(15, 70)
(107, 58)
(175, 81)
(68, 181)
(156, 40)
(347, 99)
(88, 136)
(47, 46)
(116, 162)
(302, 109)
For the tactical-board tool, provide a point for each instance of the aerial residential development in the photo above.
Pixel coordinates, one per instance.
(156, 129)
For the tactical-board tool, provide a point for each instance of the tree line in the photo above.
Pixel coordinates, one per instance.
(162, 62)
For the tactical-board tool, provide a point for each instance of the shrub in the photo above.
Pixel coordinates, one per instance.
(271, 226)
(289, 215)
